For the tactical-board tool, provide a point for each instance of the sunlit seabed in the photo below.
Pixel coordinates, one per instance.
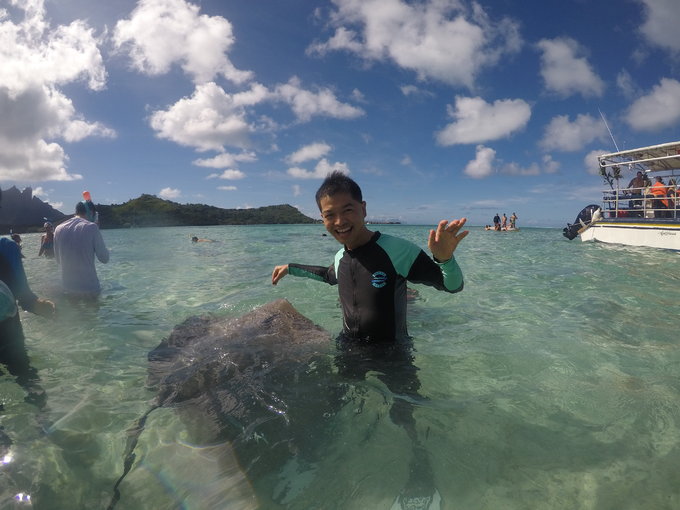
(550, 382)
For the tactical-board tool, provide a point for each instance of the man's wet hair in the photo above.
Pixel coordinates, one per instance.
(336, 182)
(81, 210)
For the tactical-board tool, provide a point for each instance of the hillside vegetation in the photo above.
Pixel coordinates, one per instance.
(151, 211)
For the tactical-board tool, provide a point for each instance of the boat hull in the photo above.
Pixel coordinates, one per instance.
(642, 232)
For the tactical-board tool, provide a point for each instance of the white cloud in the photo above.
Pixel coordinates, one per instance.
(477, 121)
(309, 152)
(169, 193)
(515, 169)
(482, 165)
(412, 90)
(34, 54)
(565, 72)
(208, 120)
(37, 59)
(626, 84)
(307, 104)
(660, 27)
(231, 175)
(590, 162)
(657, 110)
(225, 160)
(212, 119)
(161, 33)
(358, 96)
(297, 190)
(563, 135)
(550, 166)
(547, 166)
(227, 188)
(322, 169)
(436, 39)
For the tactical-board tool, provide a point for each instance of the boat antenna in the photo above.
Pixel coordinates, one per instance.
(610, 131)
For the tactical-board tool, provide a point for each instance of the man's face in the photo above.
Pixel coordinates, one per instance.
(344, 218)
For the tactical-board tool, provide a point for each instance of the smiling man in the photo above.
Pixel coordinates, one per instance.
(372, 269)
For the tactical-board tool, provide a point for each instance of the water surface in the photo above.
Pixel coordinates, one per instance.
(551, 381)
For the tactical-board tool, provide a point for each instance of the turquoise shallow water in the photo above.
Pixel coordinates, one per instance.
(550, 382)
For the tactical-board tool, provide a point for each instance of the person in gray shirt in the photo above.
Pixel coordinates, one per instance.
(76, 242)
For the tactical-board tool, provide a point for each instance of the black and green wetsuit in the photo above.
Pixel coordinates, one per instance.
(372, 280)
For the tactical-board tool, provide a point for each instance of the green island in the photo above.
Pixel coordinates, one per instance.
(151, 211)
(22, 213)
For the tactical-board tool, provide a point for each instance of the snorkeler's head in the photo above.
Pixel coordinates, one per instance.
(337, 182)
(86, 210)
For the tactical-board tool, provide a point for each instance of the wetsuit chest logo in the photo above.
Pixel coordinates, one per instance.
(379, 279)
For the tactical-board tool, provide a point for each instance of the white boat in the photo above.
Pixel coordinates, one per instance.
(635, 216)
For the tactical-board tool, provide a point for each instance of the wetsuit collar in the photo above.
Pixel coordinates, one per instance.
(374, 237)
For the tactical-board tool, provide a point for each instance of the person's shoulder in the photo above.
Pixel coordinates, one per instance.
(7, 244)
(8, 247)
(391, 243)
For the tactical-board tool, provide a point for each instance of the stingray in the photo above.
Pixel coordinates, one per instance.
(259, 382)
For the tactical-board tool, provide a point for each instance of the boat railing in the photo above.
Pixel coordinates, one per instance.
(640, 203)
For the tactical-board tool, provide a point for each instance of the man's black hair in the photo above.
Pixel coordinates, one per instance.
(337, 182)
(81, 209)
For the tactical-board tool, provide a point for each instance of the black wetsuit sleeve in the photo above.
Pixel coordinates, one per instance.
(446, 276)
(318, 273)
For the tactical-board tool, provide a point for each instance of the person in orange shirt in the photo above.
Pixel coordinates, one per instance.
(659, 190)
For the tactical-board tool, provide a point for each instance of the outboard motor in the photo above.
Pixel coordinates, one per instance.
(583, 219)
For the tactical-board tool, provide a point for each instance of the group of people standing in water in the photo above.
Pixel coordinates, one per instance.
(502, 223)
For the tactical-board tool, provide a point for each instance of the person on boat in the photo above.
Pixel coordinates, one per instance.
(635, 189)
(47, 241)
(636, 184)
(513, 220)
(660, 190)
(504, 222)
(497, 222)
(76, 242)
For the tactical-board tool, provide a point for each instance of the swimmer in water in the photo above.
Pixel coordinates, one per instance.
(195, 239)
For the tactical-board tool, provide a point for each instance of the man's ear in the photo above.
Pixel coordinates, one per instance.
(363, 208)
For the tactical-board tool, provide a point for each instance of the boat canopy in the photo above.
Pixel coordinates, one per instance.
(656, 158)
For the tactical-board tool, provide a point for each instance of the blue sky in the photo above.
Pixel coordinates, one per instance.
(439, 108)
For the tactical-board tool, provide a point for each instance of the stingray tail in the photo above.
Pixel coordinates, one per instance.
(133, 438)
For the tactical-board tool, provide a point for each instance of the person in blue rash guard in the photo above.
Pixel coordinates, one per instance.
(14, 288)
(371, 270)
